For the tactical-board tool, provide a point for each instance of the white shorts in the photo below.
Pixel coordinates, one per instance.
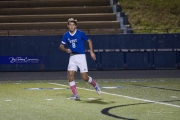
(78, 61)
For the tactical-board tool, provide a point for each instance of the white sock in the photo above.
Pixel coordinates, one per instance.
(72, 83)
(90, 79)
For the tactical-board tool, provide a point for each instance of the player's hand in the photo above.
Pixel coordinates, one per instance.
(68, 51)
(93, 55)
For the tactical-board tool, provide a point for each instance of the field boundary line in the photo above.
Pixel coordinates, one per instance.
(145, 100)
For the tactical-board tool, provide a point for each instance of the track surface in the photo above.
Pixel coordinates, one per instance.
(119, 74)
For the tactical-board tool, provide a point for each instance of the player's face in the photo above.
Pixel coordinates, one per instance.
(71, 26)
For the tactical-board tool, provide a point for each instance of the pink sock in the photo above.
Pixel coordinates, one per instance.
(73, 87)
(92, 82)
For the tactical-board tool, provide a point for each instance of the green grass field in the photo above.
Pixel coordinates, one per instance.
(126, 99)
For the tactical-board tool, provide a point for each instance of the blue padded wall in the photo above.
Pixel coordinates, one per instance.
(125, 51)
(137, 60)
(165, 60)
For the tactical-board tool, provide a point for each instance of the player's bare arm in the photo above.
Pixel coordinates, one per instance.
(91, 50)
(64, 49)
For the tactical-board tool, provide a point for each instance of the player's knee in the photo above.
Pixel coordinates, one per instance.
(69, 76)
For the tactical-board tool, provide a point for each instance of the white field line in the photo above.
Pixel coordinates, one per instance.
(124, 96)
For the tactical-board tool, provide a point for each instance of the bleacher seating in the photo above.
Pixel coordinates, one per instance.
(49, 17)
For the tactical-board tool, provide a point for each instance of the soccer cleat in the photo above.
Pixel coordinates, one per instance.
(97, 88)
(74, 97)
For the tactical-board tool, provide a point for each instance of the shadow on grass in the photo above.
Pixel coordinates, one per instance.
(97, 101)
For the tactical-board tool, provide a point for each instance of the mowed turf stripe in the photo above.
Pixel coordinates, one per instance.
(124, 96)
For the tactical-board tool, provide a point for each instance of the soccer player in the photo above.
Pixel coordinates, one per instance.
(75, 40)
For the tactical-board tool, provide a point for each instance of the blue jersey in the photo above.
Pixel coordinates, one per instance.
(75, 41)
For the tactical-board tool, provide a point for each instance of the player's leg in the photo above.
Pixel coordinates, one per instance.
(72, 82)
(89, 79)
(72, 68)
(82, 64)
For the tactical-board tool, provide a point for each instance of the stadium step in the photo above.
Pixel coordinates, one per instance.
(57, 18)
(57, 32)
(52, 3)
(49, 17)
(59, 25)
(56, 10)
